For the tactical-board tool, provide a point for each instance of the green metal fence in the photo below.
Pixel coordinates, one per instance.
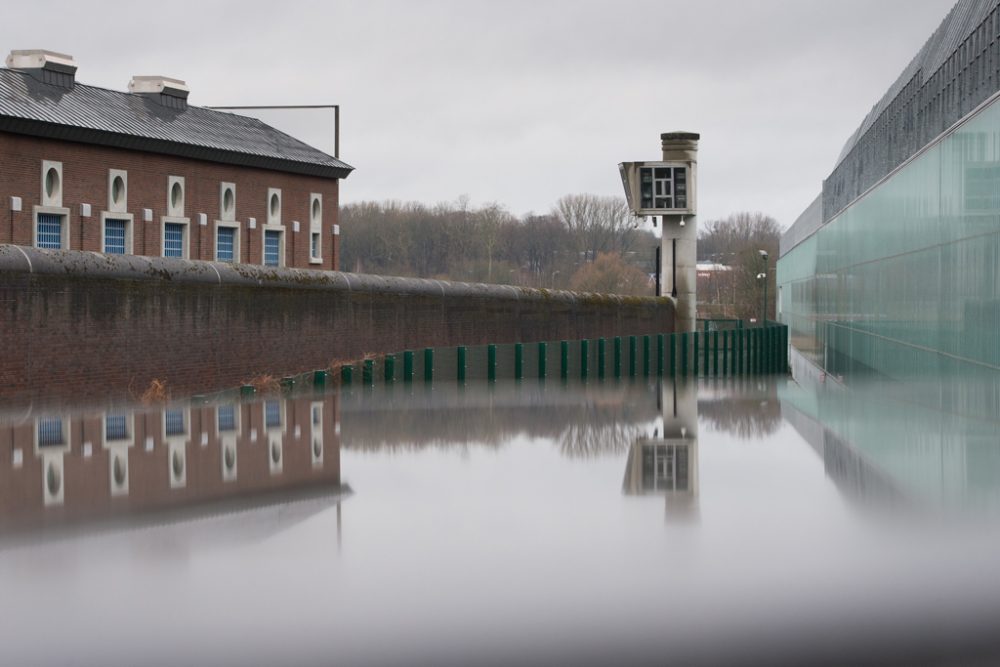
(730, 352)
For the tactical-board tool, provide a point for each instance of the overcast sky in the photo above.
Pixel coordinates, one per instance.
(521, 102)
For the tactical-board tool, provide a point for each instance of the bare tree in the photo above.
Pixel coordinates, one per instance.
(600, 224)
(737, 242)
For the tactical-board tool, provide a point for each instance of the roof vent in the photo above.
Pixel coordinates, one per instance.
(168, 92)
(49, 67)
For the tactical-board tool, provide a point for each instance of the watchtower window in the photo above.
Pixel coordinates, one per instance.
(663, 187)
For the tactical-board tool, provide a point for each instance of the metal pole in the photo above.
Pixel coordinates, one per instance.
(763, 319)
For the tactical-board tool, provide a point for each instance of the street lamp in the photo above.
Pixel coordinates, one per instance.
(763, 276)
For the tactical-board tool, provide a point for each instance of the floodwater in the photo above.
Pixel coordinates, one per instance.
(731, 522)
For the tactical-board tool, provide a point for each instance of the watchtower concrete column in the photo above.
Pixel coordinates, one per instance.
(679, 244)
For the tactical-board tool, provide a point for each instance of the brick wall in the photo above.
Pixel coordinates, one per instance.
(86, 180)
(72, 321)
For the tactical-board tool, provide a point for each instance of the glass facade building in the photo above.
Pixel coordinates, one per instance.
(906, 280)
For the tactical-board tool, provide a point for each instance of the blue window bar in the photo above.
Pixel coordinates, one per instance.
(174, 422)
(272, 247)
(115, 427)
(173, 240)
(49, 231)
(225, 244)
(226, 418)
(272, 414)
(114, 236)
(50, 432)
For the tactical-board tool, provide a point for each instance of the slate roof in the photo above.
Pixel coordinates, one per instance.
(92, 115)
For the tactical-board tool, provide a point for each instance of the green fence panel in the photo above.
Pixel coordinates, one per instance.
(694, 357)
(684, 353)
(542, 360)
(602, 345)
(659, 355)
(408, 366)
(461, 362)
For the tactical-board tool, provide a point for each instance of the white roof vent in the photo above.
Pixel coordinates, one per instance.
(171, 92)
(57, 69)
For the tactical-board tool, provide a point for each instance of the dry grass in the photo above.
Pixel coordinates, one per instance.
(337, 364)
(156, 392)
(264, 383)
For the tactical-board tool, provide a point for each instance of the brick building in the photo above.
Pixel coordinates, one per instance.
(144, 173)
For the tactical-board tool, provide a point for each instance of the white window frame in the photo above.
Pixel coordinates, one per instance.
(52, 455)
(229, 440)
(187, 235)
(178, 210)
(117, 206)
(281, 244)
(227, 215)
(315, 227)
(118, 449)
(236, 240)
(55, 200)
(316, 433)
(51, 210)
(129, 226)
(272, 218)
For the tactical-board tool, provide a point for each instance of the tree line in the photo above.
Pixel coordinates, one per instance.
(586, 242)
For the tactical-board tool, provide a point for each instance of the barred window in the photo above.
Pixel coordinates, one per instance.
(50, 231)
(174, 422)
(272, 248)
(173, 240)
(225, 244)
(50, 432)
(272, 414)
(115, 427)
(226, 417)
(114, 236)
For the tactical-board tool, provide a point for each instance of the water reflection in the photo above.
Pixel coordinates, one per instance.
(61, 467)
(518, 523)
(890, 443)
(668, 465)
(585, 421)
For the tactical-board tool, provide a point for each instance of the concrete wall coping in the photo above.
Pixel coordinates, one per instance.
(95, 265)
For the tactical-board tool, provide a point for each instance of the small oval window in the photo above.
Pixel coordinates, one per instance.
(275, 205)
(52, 182)
(53, 479)
(275, 453)
(118, 190)
(119, 471)
(317, 210)
(176, 195)
(177, 465)
(230, 458)
(228, 201)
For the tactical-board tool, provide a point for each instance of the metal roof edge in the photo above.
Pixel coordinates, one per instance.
(62, 132)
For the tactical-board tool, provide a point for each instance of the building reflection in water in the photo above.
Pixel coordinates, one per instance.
(667, 464)
(69, 467)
